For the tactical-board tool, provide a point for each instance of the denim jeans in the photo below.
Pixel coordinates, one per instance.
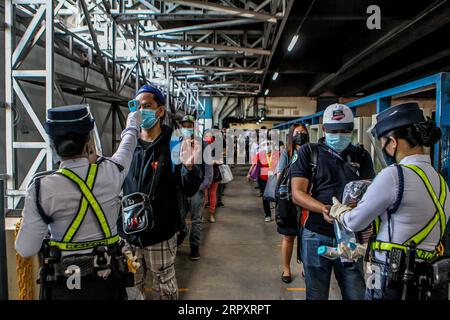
(195, 206)
(318, 270)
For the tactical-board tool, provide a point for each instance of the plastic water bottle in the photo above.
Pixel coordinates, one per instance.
(345, 237)
(328, 252)
(283, 191)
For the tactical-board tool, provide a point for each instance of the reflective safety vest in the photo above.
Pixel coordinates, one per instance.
(87, 200)
(419, 237)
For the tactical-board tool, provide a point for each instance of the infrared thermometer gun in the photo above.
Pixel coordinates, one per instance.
(133, 105)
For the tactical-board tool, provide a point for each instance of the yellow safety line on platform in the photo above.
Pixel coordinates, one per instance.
(179, 289)
(296, 289)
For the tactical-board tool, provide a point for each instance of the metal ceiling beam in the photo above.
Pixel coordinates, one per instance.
(278, 37)
(431, 19)
(231, 91)
(208, 53)
(230, 10)
(94, 40)
(410, 67)
(216, 68)
(210, 45)
(203, 26)
(227, 83)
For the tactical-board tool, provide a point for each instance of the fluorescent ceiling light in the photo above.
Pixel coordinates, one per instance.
(275, 76)
(293, 42)
(266, 92)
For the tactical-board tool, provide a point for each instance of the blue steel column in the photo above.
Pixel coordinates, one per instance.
(443, 121)
(442, 154)
(206, 113)
(3, 267)
(383, 104)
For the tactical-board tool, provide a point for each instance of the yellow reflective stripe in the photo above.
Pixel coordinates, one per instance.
(91, 199)
(74, 246)
(386, 246)
(70, 233)
(422, 234)
(377, 224)
(442, 199)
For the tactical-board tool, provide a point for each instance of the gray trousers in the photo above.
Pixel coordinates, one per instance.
(195, 206)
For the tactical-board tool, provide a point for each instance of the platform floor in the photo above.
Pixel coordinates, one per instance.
(240, 253)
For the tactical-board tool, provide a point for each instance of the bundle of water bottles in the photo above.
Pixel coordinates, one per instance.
(348, 249)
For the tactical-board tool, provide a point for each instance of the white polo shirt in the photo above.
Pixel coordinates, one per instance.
(60, 199)
(415, 211)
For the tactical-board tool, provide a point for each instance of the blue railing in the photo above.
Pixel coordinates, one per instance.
(441, 82)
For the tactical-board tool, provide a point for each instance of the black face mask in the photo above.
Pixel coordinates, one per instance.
(390, 160)
(300, 139)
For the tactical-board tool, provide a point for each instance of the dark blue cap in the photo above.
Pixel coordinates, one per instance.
(398, 116)
(62, 120)
(151, 89)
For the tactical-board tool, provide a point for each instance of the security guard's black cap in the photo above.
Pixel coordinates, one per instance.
(62, 120)
(398, 116)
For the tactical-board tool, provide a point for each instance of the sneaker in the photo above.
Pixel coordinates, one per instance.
(180, 237)
(221, 204)
(207, 205)
(195, 254)
(268, 219)
(212, 219)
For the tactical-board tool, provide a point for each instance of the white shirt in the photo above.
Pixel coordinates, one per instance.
(60, 199)
(415, 211)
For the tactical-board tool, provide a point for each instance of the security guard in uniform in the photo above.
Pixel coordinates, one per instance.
(78, 206)
(408, 200)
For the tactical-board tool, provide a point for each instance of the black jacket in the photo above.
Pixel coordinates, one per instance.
(165, 206)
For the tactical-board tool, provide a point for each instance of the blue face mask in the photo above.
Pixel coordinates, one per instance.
(187, 132)
(149, 118)
(338, 141)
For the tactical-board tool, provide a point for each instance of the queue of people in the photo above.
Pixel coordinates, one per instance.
(115, 218)
(406, 202)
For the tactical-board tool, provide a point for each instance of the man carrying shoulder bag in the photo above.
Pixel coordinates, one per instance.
(151, 186)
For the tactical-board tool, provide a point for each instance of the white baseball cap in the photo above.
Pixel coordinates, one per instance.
(338, 117)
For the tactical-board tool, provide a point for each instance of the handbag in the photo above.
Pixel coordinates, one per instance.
(137, 209)
(270, 190)
(225, 172)
(284, 206)
(286, 212)
(256, 172)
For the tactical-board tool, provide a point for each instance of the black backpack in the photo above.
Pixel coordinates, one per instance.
(359, 155)
(286, 212)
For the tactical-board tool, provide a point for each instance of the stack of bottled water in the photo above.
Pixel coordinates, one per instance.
(348, 249)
